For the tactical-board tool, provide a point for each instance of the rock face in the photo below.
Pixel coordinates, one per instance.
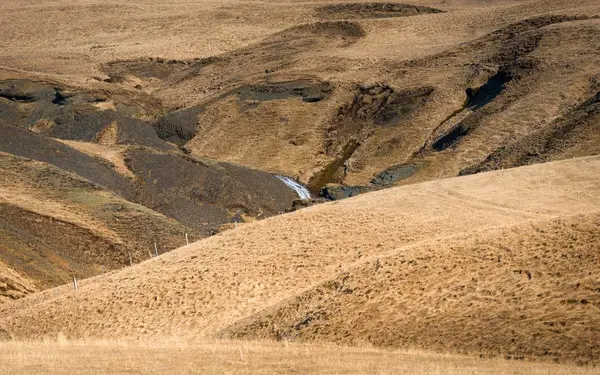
(337, 192)
(303, 203)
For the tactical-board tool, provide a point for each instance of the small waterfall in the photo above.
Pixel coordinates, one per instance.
(300, 189)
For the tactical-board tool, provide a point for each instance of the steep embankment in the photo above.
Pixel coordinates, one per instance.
(55, 225)
(100, 136)
(379, 250)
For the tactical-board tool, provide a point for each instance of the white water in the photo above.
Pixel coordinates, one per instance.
(300, 189)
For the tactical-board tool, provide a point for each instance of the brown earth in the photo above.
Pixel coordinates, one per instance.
(56, 225)
(498, 263)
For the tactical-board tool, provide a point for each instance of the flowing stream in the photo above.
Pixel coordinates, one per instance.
(300, 189)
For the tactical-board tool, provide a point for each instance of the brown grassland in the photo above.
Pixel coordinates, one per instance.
(248, 357)
(481, 264)
(471, 126)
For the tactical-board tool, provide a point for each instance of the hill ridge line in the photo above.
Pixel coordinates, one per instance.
(396, 251)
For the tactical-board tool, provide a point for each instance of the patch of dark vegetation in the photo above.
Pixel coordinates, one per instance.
(336, 192)
(275, 53)
(372, 10)
(144, 68)
(178, 126)
(343, 29)
(381, 105)
(573, 135)
(203, 196)
(56, 112)
(309, 91)
(29, 145)
(264, 322)
(506, 44)
(537, 23)
(307, 319)
(394, 174)
(517, 40)
(477, 98)
(374, 106)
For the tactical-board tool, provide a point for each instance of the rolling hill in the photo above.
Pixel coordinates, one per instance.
(465, 132)
(495, 263)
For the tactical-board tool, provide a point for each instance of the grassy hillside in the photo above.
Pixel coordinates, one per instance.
(359, 94)
(55, 225)
(520, 291)
(428, 242)
(468, 128)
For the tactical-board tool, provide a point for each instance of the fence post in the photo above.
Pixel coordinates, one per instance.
(155, 249)
(130, 261)
(74, 283)
(186, 240)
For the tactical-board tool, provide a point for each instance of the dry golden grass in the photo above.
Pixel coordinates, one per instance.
(309, 275)
(71, 42)
(13, 285)
(240, 357)
(200, 290)
(523, 291)
(111, 153)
